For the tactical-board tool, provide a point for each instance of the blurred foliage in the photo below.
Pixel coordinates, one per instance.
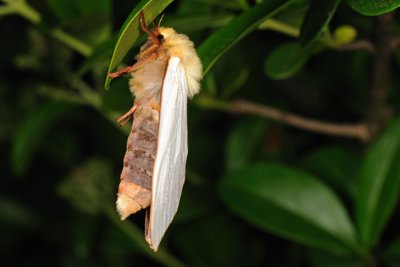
(257, 193)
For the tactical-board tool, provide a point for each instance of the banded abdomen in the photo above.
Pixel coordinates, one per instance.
(134, 192)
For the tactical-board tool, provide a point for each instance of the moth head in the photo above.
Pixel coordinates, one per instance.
(167, 33)
(160, 37)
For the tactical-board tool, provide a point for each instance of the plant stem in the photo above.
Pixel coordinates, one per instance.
(72, 42)
(162, 256)
(379, 111)
(25, 10)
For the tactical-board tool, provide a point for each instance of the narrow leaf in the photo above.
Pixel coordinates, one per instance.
(130, 30)
(290, 203)
(218, 43)
(317, 18)
(375, 7)
(378, 185)
(32, 132)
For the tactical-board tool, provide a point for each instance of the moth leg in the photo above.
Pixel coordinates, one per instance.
(124, 118)
(113, 75)
(134, 67)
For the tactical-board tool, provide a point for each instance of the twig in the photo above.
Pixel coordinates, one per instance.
(357, 45)
(379, 111)
(358, 130)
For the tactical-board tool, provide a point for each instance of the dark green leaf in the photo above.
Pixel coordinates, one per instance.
(336, 164)
(63, 9)
(90, 6)
(320, 258)
(130, 31)
(243, 141)
(216, 242)
(378, 185)
(317, 18)
(213, 48)
(290, 203)
(197, 22)
(286, 60)
(67, 9)
(195, 203)
(392, 253)
(33, 131)
(373, 7)
(14, 213)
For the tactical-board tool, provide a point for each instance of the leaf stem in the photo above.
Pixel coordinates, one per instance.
(275, 25)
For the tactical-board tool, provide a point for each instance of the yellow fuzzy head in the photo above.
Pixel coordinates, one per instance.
(179, 45)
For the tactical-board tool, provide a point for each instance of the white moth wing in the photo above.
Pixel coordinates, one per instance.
(172, 149)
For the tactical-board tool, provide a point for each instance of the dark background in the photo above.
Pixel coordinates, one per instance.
(61, 150)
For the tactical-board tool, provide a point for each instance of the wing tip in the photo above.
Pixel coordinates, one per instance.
(153, 246)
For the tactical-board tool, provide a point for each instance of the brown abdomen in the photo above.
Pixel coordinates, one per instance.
(134, 192)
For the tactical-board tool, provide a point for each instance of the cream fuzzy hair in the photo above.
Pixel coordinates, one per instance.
(147, 81)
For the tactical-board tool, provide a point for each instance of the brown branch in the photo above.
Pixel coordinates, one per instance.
(357, 45)
(379, 111)
(359, 130)
(395, 42)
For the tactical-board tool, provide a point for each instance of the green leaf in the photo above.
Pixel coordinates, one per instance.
(290, 203)
(67, 9)
(378, 185)
(194, 22)
(91, 6)
(336, 164)
(317, 18)
(243, 140)
(320, 258)
(195, 203)
(31, 133)
(375, 7)
(217, 241)
(16, 214)
(286, 60)
(63, 9)
(392, 252)
(218, 43)
(130, 30)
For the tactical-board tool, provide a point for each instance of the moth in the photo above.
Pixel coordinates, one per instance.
(166, 73)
